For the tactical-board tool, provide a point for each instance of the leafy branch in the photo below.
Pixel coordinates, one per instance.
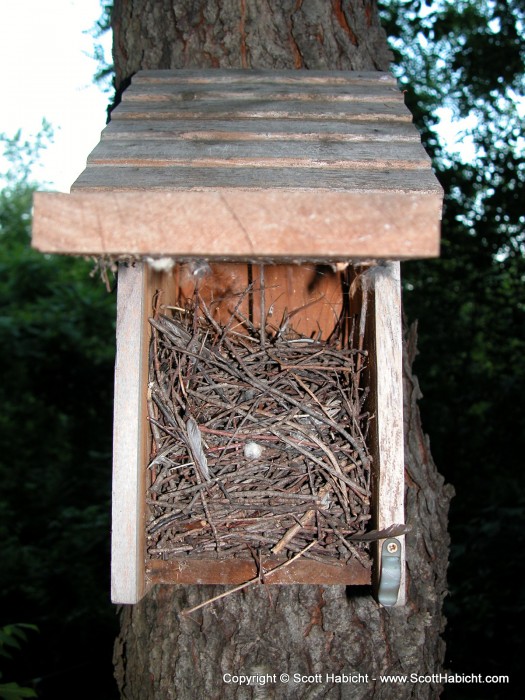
(11, 639)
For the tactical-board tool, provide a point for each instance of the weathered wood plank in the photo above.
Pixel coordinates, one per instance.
(233, 572)
(253, 142)
(388, 369)
(259, 154)
(130, 439)
(263, 129)
(248, 91)
(260, 76)
(262, 109)
(271, 224)
(362, 181)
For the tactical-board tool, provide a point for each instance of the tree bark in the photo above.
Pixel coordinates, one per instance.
(315, 34)
(285, 629)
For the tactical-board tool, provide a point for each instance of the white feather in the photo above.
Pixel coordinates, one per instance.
(161, 264)
(252, 450)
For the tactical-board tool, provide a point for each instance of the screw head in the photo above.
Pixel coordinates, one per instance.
(392, 547)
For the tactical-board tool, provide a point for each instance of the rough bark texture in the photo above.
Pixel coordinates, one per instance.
(314, 34)
(285, 629)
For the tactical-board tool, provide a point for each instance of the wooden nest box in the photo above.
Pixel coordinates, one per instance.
(258, 218)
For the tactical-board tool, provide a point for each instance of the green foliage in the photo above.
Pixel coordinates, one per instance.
(11, 637)
(104, 75)
(20, 156)
(56, 378)
(13, 691)
(468, 57)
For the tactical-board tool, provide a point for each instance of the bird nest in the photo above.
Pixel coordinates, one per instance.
(259, 440)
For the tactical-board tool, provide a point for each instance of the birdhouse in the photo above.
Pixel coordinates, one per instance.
(257, 219)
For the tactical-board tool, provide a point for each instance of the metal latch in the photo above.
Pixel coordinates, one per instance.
(390, 572)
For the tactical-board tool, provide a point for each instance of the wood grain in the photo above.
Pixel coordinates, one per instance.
(388, 370)
(259, 108)
(262, 130)
(130, 439)
(290, 165)
(360, 91)
(233, 76)
(249, 180)
(260, 154)
(232, 572)
(271, 225)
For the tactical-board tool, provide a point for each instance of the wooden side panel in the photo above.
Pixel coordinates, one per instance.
(130, 439)
(389, 399)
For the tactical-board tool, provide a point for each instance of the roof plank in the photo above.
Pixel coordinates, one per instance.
(244, 164)
(262, 130)
(256, 108)
(260, 154)
(247, 179)
(269, 225)
(233, 76)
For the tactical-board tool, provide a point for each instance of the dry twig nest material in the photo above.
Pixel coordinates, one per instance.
(259, 441)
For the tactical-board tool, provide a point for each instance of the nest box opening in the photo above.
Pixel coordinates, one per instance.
(257, 401)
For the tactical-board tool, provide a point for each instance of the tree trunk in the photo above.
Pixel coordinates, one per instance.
(293, 629)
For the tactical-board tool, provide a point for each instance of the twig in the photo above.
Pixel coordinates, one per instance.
(263, 307)
(257, 579)
(305, 520)
(213, 390)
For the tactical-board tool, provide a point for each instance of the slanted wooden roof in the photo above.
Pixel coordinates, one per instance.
(250, 164)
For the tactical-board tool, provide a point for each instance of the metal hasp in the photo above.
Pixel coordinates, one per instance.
(390, 572)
